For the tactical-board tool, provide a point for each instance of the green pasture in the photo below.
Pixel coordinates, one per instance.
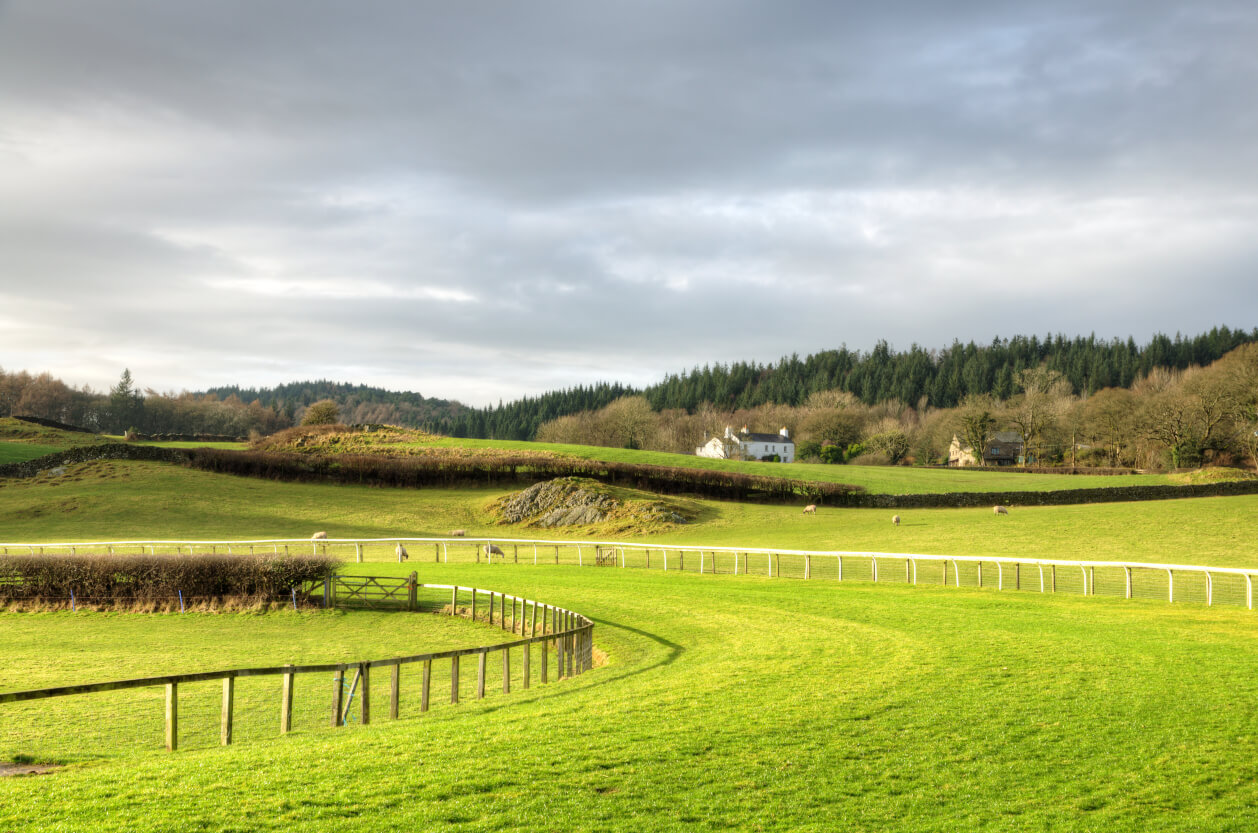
(43, 650)
(896, 480)
(115, 500)
(18, 452)
(725, 704)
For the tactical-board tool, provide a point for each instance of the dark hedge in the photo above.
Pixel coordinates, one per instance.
(506, 469)
(129, 578)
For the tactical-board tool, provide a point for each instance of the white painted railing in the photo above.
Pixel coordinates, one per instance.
(1126, 579)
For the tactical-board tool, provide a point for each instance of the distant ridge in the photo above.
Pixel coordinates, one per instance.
(943, 376)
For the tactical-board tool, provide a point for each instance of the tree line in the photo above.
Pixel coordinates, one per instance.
(1167, 418)
(883, 380)
(918, 376)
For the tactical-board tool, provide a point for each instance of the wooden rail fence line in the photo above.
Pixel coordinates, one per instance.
(1173, 582)
(569, 634)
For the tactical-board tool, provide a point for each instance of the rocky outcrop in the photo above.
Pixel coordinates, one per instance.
(577, 501)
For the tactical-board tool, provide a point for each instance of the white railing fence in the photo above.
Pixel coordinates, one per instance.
(1123, 579)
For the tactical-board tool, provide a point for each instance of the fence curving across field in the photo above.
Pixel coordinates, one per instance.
(568, 634)
(1122, 579)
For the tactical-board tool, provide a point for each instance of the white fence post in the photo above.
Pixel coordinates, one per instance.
(1000, 576)
(1041, 566)
(1170, 585)
(1209, 588)
(873, 567)
(1128, 571)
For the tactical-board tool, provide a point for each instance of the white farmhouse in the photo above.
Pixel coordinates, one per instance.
(746, 445)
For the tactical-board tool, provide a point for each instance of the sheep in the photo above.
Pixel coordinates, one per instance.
(810, 509)
(1000, 510)
(493, 549)
(401, 553)
(319, 536)
(895, 520)
(457, 533)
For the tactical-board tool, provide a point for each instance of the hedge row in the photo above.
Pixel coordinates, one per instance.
(495, 470)
(1063, 497)
(505, 469)
(1102, 470)
(128, 578)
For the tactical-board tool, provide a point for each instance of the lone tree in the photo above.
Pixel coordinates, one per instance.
(978, 425)
(326, 412)
(126, 405)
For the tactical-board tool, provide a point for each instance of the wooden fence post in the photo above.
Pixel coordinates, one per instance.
(533, 623)
(545, 660)
(395, 686)
(506, 670)
(454, 600)
(338, 696)
(427, 680)
(286, 704)
(412, 591)
(327, 592)
(480, 675)
(172, 717)
(364, 703)
(454, 679)
(524, 670)
(229, 700)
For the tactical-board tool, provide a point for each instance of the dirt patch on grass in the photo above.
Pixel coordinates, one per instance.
(9, 768)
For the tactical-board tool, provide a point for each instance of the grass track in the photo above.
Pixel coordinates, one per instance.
(738, 703)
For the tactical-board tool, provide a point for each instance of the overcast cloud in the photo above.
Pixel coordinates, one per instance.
(479, 200)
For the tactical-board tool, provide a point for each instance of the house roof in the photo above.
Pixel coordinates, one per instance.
(749, 436)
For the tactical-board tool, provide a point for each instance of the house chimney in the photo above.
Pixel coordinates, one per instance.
(786, 435)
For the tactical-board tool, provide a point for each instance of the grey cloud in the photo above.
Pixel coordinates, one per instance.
(532, 195)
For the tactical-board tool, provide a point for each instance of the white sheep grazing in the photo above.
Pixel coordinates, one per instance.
(1000, 510)
(895, 520)
(810, 509)
(401, 553)
(457, 533)
(319, 536)
(493, 549)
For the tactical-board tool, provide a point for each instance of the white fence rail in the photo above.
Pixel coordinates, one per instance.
(1172, 582)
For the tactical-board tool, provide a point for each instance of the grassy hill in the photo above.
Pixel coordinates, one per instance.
(21, 441)
(874, 479)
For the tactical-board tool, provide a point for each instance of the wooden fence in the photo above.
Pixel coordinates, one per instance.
(570, 635)
(1123, 579)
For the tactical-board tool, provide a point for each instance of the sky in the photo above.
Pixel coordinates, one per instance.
(484, 200)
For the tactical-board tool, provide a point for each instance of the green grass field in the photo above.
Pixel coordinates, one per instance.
(18, 452)
(725, 702)
(135, 500)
